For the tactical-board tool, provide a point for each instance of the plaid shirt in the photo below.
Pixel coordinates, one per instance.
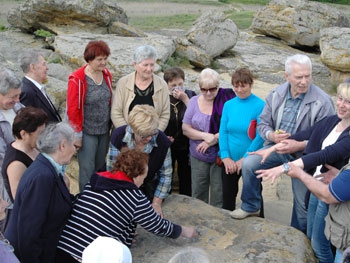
(165, 172)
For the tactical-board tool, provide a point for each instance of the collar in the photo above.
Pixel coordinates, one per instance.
(289, 95)
(118, 175)
(60, 169)
(37, 84)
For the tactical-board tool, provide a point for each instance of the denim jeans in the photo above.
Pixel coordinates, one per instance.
(317, 211)
(251, 191)
(92, 156)
(206, 177)
(338, 257)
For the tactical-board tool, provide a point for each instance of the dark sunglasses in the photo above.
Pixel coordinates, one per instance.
(210, 90)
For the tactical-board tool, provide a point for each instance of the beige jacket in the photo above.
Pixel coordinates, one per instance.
(124, 95)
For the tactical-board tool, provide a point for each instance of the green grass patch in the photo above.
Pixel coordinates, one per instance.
(243, 20)
(184, 21)
(3, 28)
(248, 2)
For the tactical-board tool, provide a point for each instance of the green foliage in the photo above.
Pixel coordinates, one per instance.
(42, 33)
(3, 28)
(183, 21)
(343, 2)
(56, 61)
(176, 61)
(243, 19)
(255, 2)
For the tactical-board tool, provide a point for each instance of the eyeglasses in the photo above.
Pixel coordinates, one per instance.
(149, 135)
(342, 99)
(210, 90)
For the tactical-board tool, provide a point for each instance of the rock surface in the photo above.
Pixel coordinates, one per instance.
(225, 239)
(60, 16)
(297, 22)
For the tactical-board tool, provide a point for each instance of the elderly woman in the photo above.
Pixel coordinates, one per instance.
(10, 90)
(27, 125)
(89, 99)
(142, 133)
(238, 134)
(43, 203)
(113, 205)
(201, 125)
(141, 87)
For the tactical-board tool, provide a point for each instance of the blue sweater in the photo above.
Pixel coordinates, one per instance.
(237, 129)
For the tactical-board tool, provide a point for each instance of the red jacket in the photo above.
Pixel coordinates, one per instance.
(76, 94)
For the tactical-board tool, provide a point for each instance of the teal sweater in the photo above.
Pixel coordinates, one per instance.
(238, 134)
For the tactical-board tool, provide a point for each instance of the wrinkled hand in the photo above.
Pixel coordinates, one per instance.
(264, 153)
(239, 165)
(202, 147)
(295, 171)
(289, 146)
(328, 176)
(210, 138)
(270, 174)
(278, 136)
(158, 209)
(189, 232)
(230, 165)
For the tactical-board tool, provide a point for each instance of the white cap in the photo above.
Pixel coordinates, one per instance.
(106, 250)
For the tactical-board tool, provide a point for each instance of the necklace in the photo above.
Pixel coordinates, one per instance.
(98, 79)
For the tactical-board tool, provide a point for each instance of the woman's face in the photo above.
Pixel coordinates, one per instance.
(144, 138)
(31, 138)
(343, 107)
(243, 90)
(9, 100)
(67, 151)
(138, 181)
(98, 63)
(145, 69)
(209, 92)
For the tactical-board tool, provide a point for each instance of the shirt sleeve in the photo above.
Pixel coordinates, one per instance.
(165, 177)
(111, 156)
(339, 187)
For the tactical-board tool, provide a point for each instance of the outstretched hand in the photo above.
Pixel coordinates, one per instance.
(270, 174)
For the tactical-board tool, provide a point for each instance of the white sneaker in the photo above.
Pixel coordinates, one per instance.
(241, 214)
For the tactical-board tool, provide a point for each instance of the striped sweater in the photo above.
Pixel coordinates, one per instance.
(113, 208)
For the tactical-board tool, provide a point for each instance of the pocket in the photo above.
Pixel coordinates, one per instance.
(336, 233)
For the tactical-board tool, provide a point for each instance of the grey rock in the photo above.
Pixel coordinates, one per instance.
(59, 16)
(335, 51)
(71, 48)
(213, 32)
(297, 22)
(197, 56)
(224, 239)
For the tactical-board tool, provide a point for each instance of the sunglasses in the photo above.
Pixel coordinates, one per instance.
(210, 90)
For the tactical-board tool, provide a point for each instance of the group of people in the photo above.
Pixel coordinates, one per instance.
(131, 140)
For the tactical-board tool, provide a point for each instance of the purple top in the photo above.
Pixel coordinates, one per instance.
(199, 121)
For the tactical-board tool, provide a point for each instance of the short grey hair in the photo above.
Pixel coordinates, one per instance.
(28, 57)
(209, 78)
(297, 59)
(144, 52)
(8, 80)
(190, 255)
(53, 134)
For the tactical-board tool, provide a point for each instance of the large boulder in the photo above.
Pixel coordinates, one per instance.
(335, 52)
(297, 22)
(224, 239)
(71, 48)
(58, 16)
(211, 35)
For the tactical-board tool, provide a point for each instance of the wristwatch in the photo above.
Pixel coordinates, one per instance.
(286, 168)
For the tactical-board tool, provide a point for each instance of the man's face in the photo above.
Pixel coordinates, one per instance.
(300, 79)
(39, 70)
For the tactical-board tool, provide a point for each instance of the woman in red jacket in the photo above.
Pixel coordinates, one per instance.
(89, 98)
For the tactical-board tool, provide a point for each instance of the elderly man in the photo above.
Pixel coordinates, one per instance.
(337, 195)
(293, 106)
(33, 91)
